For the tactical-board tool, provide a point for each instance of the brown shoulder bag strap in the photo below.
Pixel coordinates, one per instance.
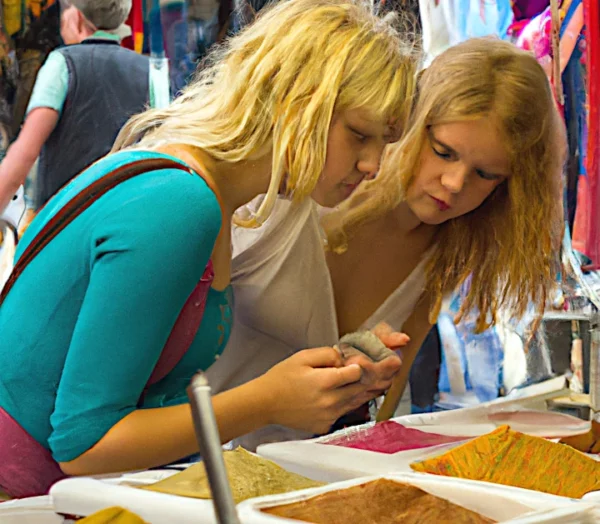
(80, 203)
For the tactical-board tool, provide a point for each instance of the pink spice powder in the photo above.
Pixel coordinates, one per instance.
(390, 437)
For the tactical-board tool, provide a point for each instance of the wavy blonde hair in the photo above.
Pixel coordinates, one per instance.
(508, 247)
(275, 87)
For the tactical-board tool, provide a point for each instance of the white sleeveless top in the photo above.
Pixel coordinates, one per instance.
(284, 302)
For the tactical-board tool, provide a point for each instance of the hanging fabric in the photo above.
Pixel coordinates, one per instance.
(536, 35)
(135, 21)
(527, 9)
(472, 364)
(8, 82)
(592, 248)
(575, 109)
(448, 22)
(13, 12)
(30, 30)
(586, 234)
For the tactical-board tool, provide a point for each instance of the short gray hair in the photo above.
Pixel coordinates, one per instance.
(103, 14)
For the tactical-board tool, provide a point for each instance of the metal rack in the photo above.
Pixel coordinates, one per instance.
(594, 299)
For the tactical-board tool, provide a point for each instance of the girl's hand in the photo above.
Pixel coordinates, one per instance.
(311, 390)
(376, 376)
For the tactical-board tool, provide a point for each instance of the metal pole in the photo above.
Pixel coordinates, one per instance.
(159, 84)
(595, 368)
(211, 451)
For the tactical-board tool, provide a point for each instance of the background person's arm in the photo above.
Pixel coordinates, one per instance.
(23, 152)
(43, 112)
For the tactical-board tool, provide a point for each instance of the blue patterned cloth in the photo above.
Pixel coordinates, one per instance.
(478, 18)
(472, 364)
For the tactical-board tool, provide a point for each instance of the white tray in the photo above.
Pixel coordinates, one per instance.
(327, 463)
(501, 503)
(32, 510)
(84, 496)
(477, 421)
(335, 463)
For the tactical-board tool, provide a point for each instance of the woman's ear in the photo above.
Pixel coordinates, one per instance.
(74, 28)
(83, 26)
(68, 25)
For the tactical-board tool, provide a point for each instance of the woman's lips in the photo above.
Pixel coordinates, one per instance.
(350, 187)
(441, 204)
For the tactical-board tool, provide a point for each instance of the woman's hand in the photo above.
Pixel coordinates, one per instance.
(377, 376)
(392, 339)
(311, 390)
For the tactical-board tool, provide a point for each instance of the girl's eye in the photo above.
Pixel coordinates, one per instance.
(486, 176)
(442, 154)
(359, 136)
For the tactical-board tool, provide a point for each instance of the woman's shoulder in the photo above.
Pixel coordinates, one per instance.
(284, 224)
(148, 162)
(166, 198)
(158, 182)
(163, 197)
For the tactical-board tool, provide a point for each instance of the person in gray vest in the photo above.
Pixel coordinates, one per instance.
(83, 94)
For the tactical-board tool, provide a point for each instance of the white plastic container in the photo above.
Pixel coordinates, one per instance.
(335, 463)
(85, 496)
(328, 463)
(479, 420)
(501, 503)
(32, 510)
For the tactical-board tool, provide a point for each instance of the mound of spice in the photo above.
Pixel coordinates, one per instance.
(249, 476)
(390, 437)
(514, 459)
(378, 502)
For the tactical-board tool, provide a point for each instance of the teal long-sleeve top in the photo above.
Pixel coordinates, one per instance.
(85, 323)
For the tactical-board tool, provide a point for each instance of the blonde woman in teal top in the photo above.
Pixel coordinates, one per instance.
(301, 104)
(91, 332)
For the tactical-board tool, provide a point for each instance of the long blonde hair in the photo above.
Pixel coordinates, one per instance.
(275, 86)
(509, 246)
